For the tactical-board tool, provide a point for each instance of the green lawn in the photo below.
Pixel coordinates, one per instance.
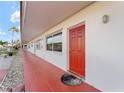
(4, 51)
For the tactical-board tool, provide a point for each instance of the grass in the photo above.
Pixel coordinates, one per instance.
(5, 51)
(14, 51)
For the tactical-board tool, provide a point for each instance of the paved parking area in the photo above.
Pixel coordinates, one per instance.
(4, 66)
(5, 62)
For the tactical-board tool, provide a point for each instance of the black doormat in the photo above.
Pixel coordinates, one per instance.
(70, 80)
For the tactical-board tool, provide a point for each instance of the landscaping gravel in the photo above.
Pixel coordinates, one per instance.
(14, 76)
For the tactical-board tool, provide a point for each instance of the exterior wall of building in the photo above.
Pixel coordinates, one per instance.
(104, 45)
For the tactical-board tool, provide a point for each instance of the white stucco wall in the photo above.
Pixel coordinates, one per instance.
(104, 45)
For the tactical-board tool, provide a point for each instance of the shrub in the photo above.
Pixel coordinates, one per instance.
(10, 53)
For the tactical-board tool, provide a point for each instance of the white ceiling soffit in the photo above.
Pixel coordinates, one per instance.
(39, 16)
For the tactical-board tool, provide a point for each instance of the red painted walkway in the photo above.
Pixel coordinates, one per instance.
(41, 76)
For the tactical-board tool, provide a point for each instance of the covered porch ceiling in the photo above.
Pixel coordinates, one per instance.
(39, 16)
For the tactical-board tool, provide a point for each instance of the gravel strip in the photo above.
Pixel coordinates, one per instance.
(14, 75)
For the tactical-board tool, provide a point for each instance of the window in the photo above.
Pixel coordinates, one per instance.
(41, 44)
(54, 42)
(49, 43)
(57, 42)
(31, 44)
(38, 44)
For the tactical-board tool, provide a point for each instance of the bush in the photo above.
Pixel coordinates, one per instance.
(10, 53)
(5, 56)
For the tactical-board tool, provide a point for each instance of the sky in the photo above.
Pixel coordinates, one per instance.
(9, 16)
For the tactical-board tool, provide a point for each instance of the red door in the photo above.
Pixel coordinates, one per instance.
(77, 50)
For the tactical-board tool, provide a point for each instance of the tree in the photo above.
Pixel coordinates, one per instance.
(13, 29)
(2, 42)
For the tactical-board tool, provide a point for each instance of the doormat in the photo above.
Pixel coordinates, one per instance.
(70, 80)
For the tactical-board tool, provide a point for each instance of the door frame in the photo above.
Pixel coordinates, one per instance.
(68, 49)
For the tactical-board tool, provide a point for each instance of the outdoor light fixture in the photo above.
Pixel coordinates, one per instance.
(105, 19)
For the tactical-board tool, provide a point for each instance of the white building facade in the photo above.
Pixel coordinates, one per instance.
(104, 44)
